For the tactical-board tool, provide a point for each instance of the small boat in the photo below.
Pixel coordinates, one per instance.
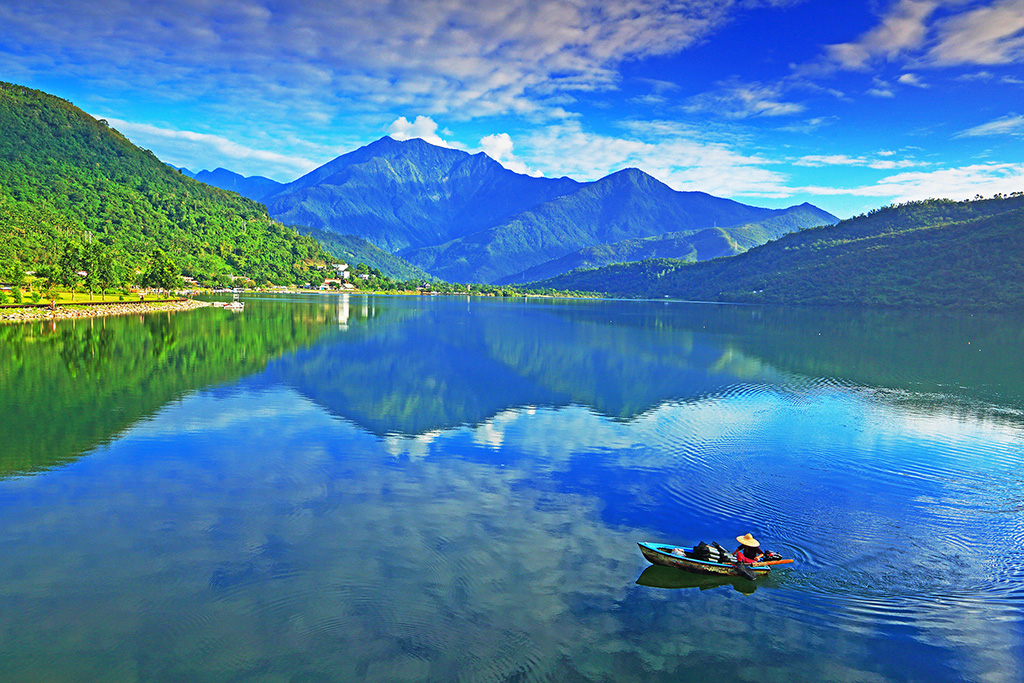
(682, 558)
(236, 304)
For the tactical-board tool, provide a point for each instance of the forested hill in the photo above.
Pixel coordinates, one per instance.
(934, 253)
(354, 250)
(68, 179)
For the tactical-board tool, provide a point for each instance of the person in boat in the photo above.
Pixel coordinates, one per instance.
(750, 551)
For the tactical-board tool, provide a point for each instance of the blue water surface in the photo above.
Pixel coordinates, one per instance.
(437, 489)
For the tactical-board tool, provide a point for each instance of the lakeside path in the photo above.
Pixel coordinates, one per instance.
(22, 314)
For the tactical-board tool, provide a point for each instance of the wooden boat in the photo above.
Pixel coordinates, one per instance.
(682, 558)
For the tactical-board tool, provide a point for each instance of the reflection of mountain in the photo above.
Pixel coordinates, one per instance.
(410, 366)
(71, 386)
(457, 362)
(430, 371)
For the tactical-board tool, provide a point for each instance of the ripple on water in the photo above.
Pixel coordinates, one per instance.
(907, 513)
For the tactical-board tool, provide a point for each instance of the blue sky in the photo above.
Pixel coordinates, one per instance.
(771, 102)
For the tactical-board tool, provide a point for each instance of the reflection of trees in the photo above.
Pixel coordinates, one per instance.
(70, 386)
(86, 350)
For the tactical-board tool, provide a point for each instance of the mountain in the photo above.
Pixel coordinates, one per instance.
(401, 195)
(687, 246)
(67, 179)
(626, 205)
(254, 187)
(929, 254)
(466, 218)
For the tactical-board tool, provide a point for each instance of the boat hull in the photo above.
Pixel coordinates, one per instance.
(661, 554)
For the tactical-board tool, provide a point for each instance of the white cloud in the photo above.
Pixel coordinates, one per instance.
(1008, 125)
(938, 33)
(991, 34)
(881, 89)
(221, 151)
(810, 125)
(499, 147)
(911, 80)
(978, 76)
(815, 160)
(423, 127)
(951, 183)
(903, 28)
(741, 100)
(455, 57)
(681, 157)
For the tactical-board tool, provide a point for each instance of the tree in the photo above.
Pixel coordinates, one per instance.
(69, 263)
(108, 272)
(91, 256)
(163, 273)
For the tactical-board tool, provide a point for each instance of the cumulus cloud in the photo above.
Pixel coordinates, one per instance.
(911, 80)
(499, 147)
(881, 88)
(422, 127)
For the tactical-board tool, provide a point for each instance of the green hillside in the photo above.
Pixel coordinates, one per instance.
(68, 180)
(355, 250)
(935, 253)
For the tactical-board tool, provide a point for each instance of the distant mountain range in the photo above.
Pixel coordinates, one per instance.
(254, 187)
(465, 218)
(928, 254)
(704, 245)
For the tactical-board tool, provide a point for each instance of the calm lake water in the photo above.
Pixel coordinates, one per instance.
(438, 489)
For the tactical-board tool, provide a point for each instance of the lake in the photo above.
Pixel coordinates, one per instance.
(352, 488)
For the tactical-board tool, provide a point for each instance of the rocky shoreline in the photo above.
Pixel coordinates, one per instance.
(73, 311)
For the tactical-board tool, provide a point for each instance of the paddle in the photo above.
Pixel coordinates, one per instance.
(743, 570)
(767, 563)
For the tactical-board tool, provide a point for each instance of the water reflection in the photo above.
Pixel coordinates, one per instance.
(438, 364)
(669, 578)
(67, 387)
(385, 489)
(240, 533)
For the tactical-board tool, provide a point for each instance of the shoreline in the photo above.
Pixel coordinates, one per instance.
(98, 309)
